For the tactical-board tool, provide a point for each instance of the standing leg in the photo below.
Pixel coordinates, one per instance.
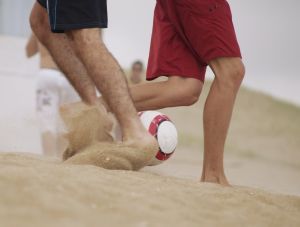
(229, 73)
(110, 80)
(63, 54)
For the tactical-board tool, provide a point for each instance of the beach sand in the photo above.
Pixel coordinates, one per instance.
(90, 138)
(262, 153)
(40, 192)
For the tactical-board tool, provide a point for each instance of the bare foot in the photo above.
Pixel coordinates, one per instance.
(215, 178)
(146, 144)
(139, 139)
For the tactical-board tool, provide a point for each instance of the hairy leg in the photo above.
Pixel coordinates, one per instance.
(60, 48)
(101, 69)
(110, 80)
(229, 73)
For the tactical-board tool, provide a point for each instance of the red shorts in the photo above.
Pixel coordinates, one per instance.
(187, 35)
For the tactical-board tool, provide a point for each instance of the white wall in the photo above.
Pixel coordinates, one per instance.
(14, 16)
(19, 129)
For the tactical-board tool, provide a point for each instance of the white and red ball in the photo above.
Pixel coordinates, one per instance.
(162, 128)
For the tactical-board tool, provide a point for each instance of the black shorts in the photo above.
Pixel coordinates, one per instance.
(76, 14)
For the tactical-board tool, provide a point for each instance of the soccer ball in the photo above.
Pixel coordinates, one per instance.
(162, 128)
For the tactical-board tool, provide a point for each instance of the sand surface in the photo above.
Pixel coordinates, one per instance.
(90, 138)
(263, 151)
(40, 192)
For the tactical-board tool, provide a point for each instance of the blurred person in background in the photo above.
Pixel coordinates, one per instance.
(53, 90)
(136, 73)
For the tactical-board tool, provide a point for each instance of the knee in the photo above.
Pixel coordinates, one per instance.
(84, 39)
(186, 92)
(189, 97)
(238, 74)
(232, 76)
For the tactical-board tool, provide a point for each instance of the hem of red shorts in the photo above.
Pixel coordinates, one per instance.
(213, 57)
(164, 74)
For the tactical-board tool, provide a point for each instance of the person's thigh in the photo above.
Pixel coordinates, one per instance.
(82, 37)
(189, 85)
(87, 44)
(175, 91)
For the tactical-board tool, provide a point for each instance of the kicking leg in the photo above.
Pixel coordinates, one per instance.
(62, 53)
(229, 73)
(176, 91)
(110, 80)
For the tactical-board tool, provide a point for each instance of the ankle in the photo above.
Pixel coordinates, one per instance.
(134, 130)
(214, 176)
